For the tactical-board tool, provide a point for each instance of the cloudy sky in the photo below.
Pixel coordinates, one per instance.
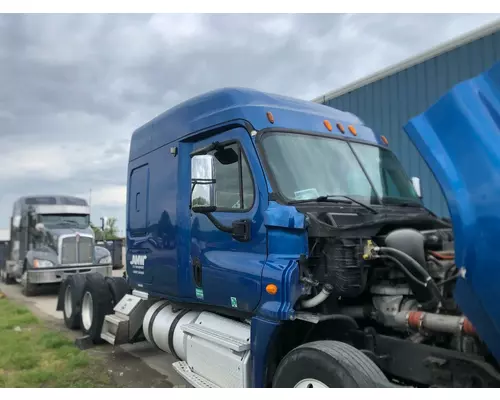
(74, 87)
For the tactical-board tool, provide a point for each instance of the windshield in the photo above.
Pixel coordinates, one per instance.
(308, 166)
(65, 220)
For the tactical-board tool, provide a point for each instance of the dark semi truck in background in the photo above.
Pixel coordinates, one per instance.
(50, 238)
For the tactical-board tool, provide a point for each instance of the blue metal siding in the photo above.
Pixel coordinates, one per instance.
(387, 104)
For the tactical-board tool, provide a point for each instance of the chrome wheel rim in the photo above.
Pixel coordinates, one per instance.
(87, 310)
(310, 384)
(68, 305)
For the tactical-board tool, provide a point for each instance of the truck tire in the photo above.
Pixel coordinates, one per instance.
(71, 293)
(118, 287)
(5, 278)
(28, 289)
(97, 302)
(328, 364)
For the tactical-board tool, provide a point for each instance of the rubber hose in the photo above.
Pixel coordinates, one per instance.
(319, 298)
(409, 259)
(405, 270)
(429, 282)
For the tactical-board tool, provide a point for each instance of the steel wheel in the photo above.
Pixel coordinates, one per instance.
(68, 304)
(87, 310)
(28, 289)
(310, 384)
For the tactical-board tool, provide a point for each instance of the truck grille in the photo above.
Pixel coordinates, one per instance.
(77, 252)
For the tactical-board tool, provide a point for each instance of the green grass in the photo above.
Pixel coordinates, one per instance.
(31, 355)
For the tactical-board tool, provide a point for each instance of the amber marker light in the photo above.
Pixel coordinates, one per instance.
(270, 117)
(272, 289)
(352, 129)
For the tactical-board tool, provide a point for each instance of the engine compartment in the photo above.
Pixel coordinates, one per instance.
(396, 274)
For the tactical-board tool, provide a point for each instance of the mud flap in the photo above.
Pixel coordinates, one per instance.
(459, 138)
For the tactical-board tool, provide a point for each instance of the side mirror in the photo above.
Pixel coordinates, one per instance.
(203, 183)
(16, 221)
(416, 185)
(40, 227)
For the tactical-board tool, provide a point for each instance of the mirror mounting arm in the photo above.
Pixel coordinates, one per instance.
(218, 225)
(208, 210)
(240, 230)
(205, 150)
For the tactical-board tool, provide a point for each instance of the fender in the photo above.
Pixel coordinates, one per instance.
(42, 253)
(459, 139)
(100, 252)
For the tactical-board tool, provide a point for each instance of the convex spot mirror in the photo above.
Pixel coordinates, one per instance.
(16, 221)
(226, 156)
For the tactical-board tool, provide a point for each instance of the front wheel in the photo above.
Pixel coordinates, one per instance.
(328, 364)
(28, 289)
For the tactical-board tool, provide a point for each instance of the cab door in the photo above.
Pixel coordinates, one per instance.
(228, 245)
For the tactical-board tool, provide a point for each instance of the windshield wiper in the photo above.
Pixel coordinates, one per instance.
(414, 204)
(321, 199)
(330, 197)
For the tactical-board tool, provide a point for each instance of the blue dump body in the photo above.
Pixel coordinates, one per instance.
(459, 138)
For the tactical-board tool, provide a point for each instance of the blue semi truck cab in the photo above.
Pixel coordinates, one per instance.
(273, 242)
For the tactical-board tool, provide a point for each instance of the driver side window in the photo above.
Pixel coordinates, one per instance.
(234, 190)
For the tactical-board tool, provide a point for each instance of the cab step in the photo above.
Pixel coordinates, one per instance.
(195, 380)
(122, 326)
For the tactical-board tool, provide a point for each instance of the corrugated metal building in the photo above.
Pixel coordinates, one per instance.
(389, 98)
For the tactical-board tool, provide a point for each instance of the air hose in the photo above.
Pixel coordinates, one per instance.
(319, 298)
(428, 282)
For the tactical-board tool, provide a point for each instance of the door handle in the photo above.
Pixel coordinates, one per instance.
(197, 272)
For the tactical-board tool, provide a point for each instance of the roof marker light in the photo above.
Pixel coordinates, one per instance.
(328, 125)
(340, 127)
(270, 117)
(384, 139)
(352, 129)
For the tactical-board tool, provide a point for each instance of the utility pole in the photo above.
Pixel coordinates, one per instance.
(103, 227)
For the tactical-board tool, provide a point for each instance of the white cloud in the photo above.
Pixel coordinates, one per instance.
(53, 162)
(109, 196)
(74, 87)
